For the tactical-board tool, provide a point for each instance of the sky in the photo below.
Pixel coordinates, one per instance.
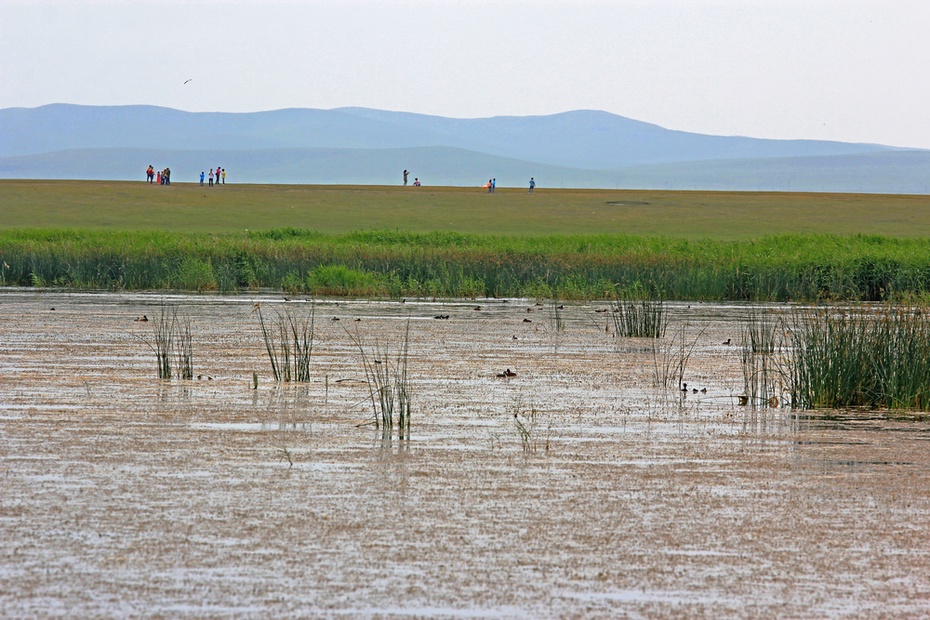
(848, 70)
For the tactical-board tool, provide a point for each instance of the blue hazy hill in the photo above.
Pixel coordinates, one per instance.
(358, 145)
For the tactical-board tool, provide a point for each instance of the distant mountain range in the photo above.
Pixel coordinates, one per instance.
(363, 146)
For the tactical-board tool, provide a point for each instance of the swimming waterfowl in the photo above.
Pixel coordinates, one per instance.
(728, 341)
(142, 319)
(527, 321)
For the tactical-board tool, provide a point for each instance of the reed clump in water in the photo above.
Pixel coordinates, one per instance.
(670, 357)
(173, 342)
(389, 386)
(289, 343)
(638, 315)
(861, 357)
(760, 343)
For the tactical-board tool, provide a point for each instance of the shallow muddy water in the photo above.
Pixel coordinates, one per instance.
(122, 495)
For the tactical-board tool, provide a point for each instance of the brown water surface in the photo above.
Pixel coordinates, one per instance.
(125, 495)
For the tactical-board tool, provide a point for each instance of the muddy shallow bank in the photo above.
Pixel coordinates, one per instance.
(125, 495)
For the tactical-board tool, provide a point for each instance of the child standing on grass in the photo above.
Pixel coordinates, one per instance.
(211, 177)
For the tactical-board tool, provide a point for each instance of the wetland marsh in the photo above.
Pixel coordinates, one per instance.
(127, 495)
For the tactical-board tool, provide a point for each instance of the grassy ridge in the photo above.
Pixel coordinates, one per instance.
(393, 263)
(393, 241)
(93, 205)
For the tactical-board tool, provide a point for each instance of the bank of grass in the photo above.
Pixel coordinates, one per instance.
(446, 264)
(187, 207)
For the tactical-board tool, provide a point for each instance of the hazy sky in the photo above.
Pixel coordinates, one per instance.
(851, 70)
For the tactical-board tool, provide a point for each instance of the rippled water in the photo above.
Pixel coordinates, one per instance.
(125, 495)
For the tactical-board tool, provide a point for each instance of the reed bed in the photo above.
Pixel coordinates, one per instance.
(874, 358)
(404, 264)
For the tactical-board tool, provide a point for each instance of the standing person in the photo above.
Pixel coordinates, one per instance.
(532, 184)
(224, 176)
(489, 186)
(494, 185)
(158, 178)
(166, 177)
(150, 173)
(211, 177)
(218, 169)
(201, 178)
(406, 172)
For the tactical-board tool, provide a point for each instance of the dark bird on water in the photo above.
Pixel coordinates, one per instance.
(507, 373)
(142, 319)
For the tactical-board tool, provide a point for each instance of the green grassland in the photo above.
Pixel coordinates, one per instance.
(405, 241)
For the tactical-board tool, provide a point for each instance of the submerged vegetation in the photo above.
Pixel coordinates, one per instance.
(406, 264)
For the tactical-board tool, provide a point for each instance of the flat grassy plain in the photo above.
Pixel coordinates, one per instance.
(455, 242)
(187, 207)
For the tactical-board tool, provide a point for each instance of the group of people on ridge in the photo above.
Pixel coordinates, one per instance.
(215, 178)
(491, 185)
(162, 177)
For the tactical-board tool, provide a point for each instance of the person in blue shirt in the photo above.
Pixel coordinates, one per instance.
(201, 178)
(532, 184)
